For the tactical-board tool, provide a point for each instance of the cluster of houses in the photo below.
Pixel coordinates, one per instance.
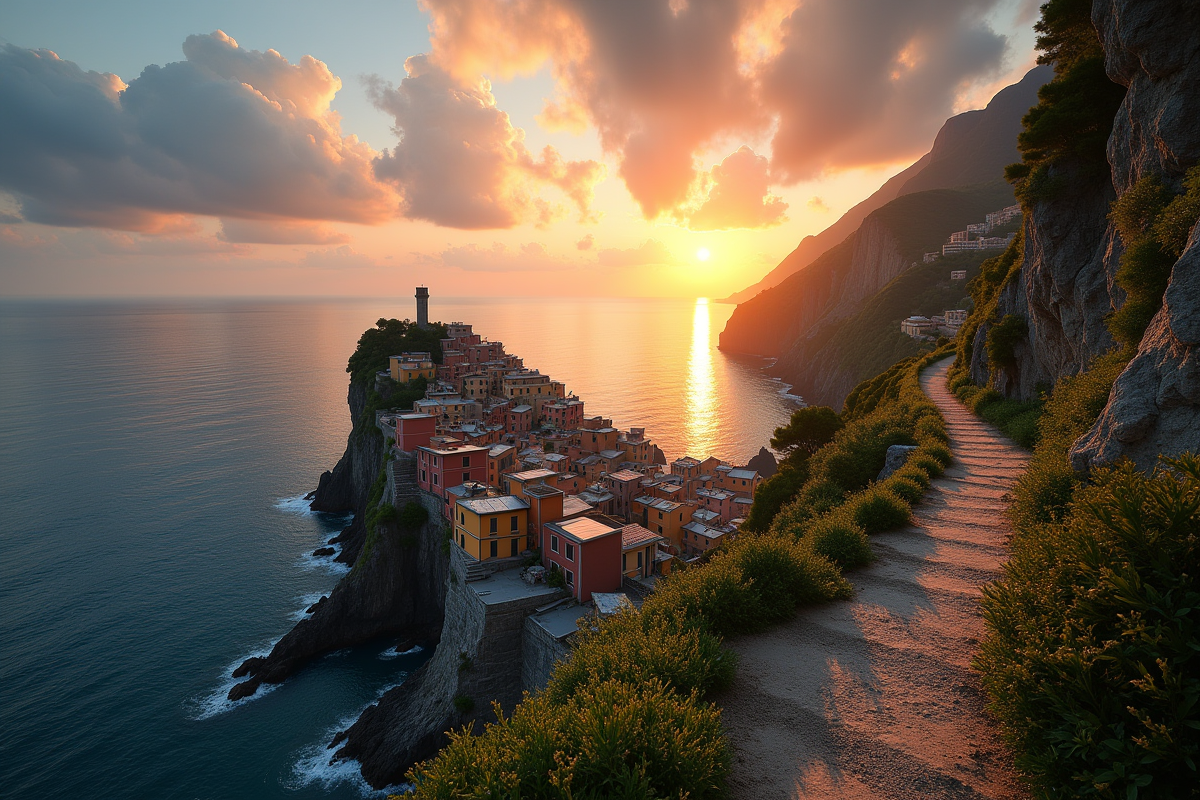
(516, 465)
(975, 237)
(945, 324)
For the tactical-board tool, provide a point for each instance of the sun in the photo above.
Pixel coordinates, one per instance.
(703, 254)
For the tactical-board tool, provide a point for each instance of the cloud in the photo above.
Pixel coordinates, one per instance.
(530, 257)
(651, 252)
(739, 197)
(818, 205)
(249, 231)
(229, 132)
(834, 84)
(460, 162)
(586, 243)
(337, 258)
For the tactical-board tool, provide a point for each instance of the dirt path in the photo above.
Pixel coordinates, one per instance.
(875, 698)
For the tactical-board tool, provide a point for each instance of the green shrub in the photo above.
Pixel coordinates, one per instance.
(412, 516)
(878, 509)
(625, 740)
(773, 493)
(931, 429)
(1002, 340)
(913, 474)
(938, 451)
(555, 578)
(1091, 655)
(926, 463)
(905, 488)
(643, 648)
(839, 539)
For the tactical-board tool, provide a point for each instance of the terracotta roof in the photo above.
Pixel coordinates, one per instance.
(636, 536)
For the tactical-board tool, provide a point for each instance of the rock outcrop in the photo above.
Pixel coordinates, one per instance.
(478, 660)
(396, 585)
(764, 463)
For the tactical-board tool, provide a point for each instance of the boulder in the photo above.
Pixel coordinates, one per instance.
(897, 455)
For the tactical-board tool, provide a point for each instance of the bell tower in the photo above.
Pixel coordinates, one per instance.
(422, 307)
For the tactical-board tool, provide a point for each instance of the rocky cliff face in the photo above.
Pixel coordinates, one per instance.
(395, 587)
(1153, 48)
(1066, 285)
(478, 660)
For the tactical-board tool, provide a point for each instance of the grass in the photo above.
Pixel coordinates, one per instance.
(628, 714)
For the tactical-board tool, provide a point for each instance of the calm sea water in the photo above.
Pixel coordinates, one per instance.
(152, 460)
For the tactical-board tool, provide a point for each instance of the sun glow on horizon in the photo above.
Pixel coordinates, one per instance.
(703, 254)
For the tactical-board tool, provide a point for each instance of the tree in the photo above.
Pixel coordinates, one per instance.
(810, 429)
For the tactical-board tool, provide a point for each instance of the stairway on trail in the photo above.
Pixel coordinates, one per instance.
(875, 697)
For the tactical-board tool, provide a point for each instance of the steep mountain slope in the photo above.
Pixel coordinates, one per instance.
(835, 285)
(972, 147)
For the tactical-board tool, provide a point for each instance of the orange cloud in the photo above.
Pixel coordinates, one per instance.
(662, 82)
(739, 196)
(230, 132)
(460, 162)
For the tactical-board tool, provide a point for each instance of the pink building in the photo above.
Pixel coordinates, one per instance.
(440, 468)
(414, 430)
(588, 552)
(520, 419)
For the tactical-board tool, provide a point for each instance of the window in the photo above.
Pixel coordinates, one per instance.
(553, 543)
(435, 480)
(514, 547)
(639, 559)
(492, 525)
(570, 552)
(570, 578)
(466, 461)
(512, 523)
(660, 529)
(660, 515)
(494, 548)
(423, 476)
(462, 518)
(624, 561)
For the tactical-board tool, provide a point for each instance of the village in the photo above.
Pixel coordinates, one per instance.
(521, 472)
(975, 237)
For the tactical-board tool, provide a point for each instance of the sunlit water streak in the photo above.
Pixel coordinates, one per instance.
(152, 460)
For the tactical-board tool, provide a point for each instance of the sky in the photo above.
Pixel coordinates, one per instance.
(522, 147)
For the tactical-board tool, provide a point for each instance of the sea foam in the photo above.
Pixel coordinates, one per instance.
(218, 702)
(391, 652)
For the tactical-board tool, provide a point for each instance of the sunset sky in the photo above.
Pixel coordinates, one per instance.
(526, 147)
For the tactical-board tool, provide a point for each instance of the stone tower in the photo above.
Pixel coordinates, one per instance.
(422, 307)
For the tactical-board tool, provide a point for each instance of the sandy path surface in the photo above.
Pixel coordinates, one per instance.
(875, 698)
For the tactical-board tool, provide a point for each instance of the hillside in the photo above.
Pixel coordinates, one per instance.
(836, 285)
(971, 148)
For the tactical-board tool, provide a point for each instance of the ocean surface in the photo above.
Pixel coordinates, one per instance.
(153, 460)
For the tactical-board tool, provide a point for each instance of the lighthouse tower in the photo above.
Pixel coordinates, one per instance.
(422, 307)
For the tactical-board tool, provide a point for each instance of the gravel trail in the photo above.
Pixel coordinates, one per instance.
(875, 698)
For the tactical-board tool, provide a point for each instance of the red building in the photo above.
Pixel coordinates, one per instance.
(588, 552)
(520, 419)
(414, 430)
(440, 468)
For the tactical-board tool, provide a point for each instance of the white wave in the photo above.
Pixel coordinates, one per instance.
(218, 701)
(327, 563)
(314, 765)
(306, 602)
(301, 505)
(391, 652)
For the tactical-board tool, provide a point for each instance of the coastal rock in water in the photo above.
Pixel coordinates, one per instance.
(764, 463)
(322, 552)
(897, 455)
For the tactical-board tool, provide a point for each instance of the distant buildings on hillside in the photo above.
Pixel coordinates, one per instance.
(975, 236)
(947, 324)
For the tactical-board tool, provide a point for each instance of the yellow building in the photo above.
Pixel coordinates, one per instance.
(491, 527)
(410, 366)
(664, 517)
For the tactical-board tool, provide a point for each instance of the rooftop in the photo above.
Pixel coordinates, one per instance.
(747, 474)
(625, 475)
(541, 490)
(658, 503)
(636, 536)
(584, 529)
(560, 622)
(493, 505)
(506, 586)
(533, 475)
(574, 506)
(610, 454)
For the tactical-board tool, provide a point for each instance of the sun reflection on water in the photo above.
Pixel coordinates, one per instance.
(701, 411)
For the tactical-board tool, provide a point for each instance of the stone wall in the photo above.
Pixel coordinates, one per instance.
(540, 651)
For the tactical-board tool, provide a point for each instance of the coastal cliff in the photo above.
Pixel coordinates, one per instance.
(396, 585)
(803, 320)
(1067, 286)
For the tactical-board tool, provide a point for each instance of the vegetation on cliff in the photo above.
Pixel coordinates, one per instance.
(627, 715)
(1070, 125)
(391, 337)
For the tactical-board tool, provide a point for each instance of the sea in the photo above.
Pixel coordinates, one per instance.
(154, 457)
